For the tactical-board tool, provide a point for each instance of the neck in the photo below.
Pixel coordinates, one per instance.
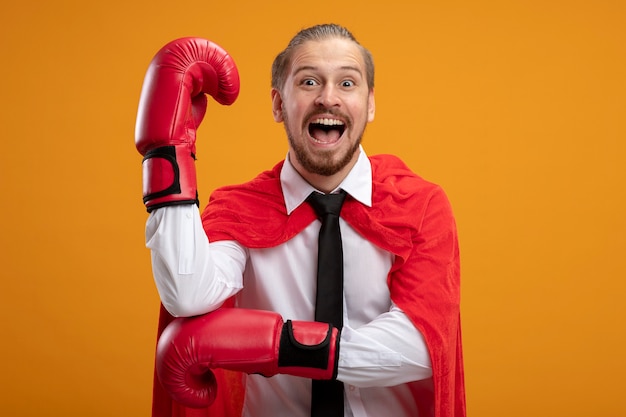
(324, 183)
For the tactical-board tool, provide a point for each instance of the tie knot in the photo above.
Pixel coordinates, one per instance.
(324, 204)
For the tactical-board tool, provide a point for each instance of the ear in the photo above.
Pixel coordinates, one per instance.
(371, 106)
(277, 106)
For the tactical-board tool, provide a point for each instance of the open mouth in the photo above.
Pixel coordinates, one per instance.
(328, 131)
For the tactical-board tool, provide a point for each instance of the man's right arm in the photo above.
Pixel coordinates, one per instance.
(192, 276)
(191, 280)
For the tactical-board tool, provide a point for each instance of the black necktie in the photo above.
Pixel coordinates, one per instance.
(327, 396)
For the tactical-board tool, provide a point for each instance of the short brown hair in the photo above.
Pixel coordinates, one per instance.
(317, 33)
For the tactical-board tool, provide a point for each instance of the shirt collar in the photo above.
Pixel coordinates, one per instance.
(358, 183)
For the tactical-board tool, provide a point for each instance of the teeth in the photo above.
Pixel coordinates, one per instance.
(328, 122)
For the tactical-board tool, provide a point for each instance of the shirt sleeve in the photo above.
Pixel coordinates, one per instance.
(387, 351)
(192, 276)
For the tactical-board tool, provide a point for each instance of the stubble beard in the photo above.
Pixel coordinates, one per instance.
(322, 162)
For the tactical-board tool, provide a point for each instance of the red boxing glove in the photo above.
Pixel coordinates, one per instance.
(171, 107)
(250, 341)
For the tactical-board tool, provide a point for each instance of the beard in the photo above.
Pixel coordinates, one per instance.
(322, 162)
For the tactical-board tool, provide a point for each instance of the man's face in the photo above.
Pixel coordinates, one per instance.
(325, 105)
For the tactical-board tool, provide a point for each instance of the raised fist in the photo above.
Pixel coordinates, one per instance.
(172, 105)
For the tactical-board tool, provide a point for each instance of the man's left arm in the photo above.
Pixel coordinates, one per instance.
(387, 351)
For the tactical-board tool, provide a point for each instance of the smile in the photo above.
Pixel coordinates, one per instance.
(326, 130)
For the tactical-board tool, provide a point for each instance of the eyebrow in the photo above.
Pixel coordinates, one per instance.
(313, 68)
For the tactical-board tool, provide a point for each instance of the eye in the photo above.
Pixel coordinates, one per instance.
(309, 82)
(347, 83)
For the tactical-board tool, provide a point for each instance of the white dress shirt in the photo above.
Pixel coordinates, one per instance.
(380, 350)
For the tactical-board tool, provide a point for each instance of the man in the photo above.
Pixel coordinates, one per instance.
(396, 349)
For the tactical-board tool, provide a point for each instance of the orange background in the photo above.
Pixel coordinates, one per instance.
(517, 108)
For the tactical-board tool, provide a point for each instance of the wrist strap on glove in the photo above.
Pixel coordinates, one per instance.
(169, 176)
(309, 349)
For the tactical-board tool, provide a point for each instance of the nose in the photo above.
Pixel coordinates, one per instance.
(327, 96)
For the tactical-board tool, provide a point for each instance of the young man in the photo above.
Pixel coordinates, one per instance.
(396, 349)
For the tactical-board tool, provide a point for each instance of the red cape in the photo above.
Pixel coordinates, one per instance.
(410, 218)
